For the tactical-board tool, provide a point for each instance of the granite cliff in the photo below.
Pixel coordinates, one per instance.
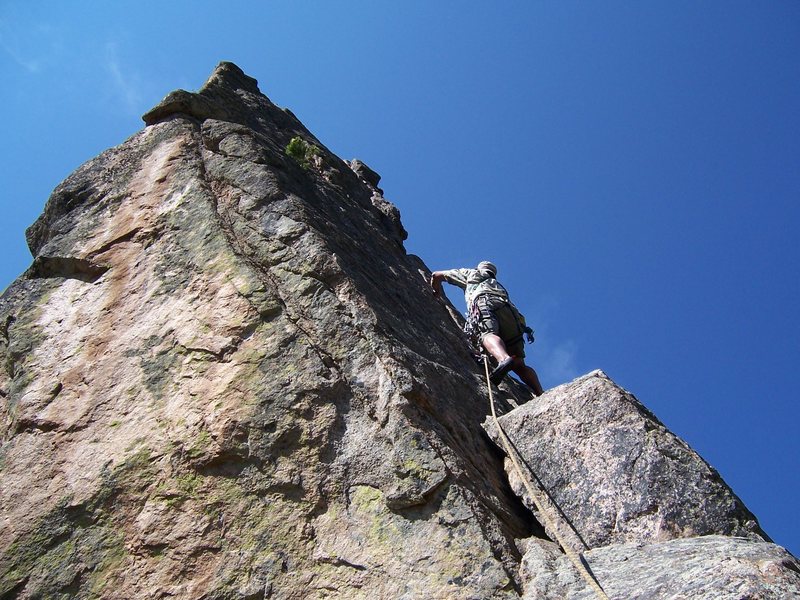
(224, 377)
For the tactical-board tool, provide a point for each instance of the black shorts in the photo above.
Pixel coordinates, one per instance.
(497, 316)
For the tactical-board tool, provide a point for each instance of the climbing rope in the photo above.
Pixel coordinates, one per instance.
(577, 560)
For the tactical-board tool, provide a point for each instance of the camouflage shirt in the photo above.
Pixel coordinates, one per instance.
(474, 284)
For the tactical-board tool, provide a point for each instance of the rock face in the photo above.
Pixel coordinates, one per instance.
(656, 519)
(616, 473)
(223, 377)
(711, 567)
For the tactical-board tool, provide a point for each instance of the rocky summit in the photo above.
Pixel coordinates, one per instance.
(224, 378)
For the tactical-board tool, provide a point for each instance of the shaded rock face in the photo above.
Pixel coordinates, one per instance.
(223, 377)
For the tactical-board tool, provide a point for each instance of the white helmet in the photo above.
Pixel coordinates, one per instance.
(487, 266)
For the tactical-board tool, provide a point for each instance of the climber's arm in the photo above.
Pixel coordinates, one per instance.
(437, 277)
(457, 277)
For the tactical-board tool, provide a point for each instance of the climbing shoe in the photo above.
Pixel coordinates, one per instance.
(500, 370)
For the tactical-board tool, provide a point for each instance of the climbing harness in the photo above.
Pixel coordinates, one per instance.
(481, 309)
(577, 560)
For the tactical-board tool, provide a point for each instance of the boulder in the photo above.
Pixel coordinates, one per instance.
(614, 472)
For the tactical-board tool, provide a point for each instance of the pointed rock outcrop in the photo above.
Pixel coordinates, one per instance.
(225, 378)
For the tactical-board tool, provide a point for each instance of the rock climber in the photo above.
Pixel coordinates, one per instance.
(494, 319)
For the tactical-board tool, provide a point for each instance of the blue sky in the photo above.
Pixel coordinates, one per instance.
(632, 168)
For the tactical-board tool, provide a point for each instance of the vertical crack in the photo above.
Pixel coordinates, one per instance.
(245, 254)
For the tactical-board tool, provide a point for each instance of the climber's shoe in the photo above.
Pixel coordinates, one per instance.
(500, 370)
